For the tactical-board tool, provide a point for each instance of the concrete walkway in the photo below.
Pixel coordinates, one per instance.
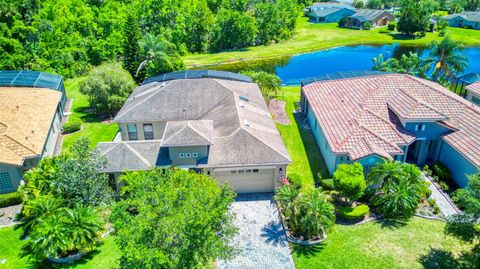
(261, 238)
(443, 201)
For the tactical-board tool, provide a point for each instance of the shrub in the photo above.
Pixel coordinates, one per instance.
(384, 31)
(327, 184)
(343, 22)
(367, 25)
(349, 180)
(353, 213)
(443, 186)
(441, 171)
(435, 178)
(442, 33)
(295, 178)
(9, 199)
(74, 124)
(391, 26)
(426, 169)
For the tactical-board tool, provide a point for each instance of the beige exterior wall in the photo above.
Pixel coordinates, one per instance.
(15, 174)
(52, 135)
(158, 130)
(472, 97)
(174, 154)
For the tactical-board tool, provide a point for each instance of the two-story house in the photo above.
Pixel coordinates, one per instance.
(212, 122)
(368, 118)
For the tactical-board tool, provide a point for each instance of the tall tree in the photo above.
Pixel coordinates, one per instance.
(131, 48)
(447, 58)
(414, 17)
(268, 83)
(173, 219)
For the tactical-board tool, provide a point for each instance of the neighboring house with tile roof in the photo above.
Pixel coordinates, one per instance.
(29, 126)
(469, 19)
(396, 117)
(328, 12)
(218, 126)
(473, 93)
(376, 17)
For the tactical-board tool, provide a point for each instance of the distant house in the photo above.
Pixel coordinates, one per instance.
(328, 12)
(470, 19)
(31, 107)
(212, 122)
(377, 18)
(473, 93)
(376, 117)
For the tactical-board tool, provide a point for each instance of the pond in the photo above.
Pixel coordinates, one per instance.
(351, 58)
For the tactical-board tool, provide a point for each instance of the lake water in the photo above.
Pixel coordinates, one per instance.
(351, 58)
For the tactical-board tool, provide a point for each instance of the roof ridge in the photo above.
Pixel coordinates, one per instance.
(379, 136)
(176, 133)
(154, 92)
(389, 123)
(254, 136)
(198, 132)
(137, 154)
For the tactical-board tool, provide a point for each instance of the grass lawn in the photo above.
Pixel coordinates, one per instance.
(306, 157)
(420, 243)
(312, 37)
(107, 256)
(92, 127)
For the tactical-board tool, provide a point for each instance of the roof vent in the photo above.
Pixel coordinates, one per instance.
(247, 124)
(244, 98)
(162, 84)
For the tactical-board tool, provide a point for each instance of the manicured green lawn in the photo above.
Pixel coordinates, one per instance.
(306, 157)
(107, 256)
(92, 127)
(420, 243)
(311, 37)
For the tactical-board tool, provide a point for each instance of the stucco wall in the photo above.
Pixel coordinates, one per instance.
(15, 177)
(52, 135)
(334, 17)
(432, 130)
(158, 130)
(458, 165)
(202, 152)
(322, 143)
(474, 98)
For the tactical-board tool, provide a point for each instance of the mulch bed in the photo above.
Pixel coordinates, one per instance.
(9, 215)
(277, 108)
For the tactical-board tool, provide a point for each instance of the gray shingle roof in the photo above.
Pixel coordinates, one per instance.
(242, 130)
(364, 15)
(188, 133)
(134, 155)
(468, 16)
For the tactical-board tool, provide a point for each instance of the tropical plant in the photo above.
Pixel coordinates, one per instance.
(414, 17)
(268, 83)
(107, 87)
(180, 218)
(353, 213)
(400, 189)
(407, 64)
(349, 181)
(34, 210)
(64, 232)
(446, 58)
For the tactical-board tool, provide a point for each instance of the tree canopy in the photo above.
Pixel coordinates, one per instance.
(349, 180)
(173, 219)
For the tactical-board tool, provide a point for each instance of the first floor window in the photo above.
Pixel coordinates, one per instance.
(132, 132)
(148, 131)
(5, 181)
(181, 155)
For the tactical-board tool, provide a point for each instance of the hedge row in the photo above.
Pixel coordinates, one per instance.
(9, 199)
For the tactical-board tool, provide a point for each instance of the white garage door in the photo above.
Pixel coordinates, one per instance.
(248, 180)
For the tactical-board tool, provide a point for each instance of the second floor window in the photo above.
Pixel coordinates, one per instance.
(132, 132)
(148, 131)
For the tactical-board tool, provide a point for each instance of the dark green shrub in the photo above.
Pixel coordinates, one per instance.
(327, 184)
(356, 213)
(391, 26)
(384, 31)
(74, 124)
(295, 179)
(443, 186)
(440, 170)
(442, 33)
(9, 199)
(367, 25)
(343, 22)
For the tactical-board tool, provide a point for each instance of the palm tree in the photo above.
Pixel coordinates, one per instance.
(38, 208)
(387, 171)
(317, 215)
(446, 58)
(86, 225)
(398, 200)
(286, 197)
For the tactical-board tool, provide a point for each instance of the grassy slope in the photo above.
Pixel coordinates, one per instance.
(311, 37)
(306, 158)
(92, 127)
(107, 256)
(373, 245)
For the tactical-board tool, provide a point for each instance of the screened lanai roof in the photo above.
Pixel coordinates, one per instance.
(34, 79)
(191, 74)
(340, 75)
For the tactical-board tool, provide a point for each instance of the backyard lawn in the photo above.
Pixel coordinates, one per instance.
(92, 126)
(312, 37)
(107, 256)
(306, 158)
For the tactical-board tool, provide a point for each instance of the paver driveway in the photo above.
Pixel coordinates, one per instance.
(261, 238)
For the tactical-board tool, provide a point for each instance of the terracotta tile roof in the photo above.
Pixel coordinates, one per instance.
(359, 116)
(474, 88)
(25, 118)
